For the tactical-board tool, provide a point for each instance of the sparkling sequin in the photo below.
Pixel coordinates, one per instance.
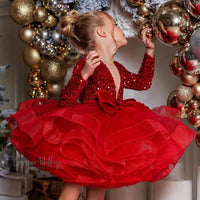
(102, 80)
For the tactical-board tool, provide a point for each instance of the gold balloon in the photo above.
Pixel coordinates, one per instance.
(26, 34)
(196, 89)
(189, 79)
(50, 22)
(194, 118)
(53, 69)
(21, 11)
(175, 67)
(135, 2)
(31, 56)
(172, 24)
(54, 89)
(40, 14)
(144, 11)
(184, 93)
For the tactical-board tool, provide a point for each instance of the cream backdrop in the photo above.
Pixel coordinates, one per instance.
(184, 177)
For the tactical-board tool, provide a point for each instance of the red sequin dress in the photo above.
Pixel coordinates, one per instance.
(101, 140)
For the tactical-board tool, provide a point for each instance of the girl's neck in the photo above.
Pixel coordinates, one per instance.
(106, 57)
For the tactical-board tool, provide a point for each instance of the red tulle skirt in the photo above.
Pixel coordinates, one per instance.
(98, 143)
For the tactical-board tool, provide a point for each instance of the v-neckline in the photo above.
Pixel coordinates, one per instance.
(116, 92)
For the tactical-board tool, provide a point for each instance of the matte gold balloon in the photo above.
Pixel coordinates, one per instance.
(31, 56)
(40, 14)
(184, 93)
(196, 89)
(172, 24)
(175, 67)
(26, 34)
(144, 11)
(189, 79)
(54, 89)
(135, 2)
(50, 22)
(53, 69)
(194, 118)
(21, 11)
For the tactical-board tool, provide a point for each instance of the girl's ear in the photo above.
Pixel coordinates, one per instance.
(100, 31)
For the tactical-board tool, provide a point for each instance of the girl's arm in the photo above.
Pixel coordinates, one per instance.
(142, 80)
(71, 92)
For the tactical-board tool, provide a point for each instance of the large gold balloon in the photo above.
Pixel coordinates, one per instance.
(40, 14)
(135, 2)
(53, 69)
(54, 89)
(172, 24)
(184, 93)
(26, 34)
(50, 22)
(31, 56)
(21, 11)
(189, 79)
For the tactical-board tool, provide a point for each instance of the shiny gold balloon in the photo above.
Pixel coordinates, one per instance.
(172, 24)
(184, 93)
(196, 89)
(50, 22)
(175, 67)
(54, 89)
(194, 118)
(144, 11)
(21, 11)
(53, 69)
(26, 34)
(193, 7)
(135, 2)
(189, 79)
(40, 14)
(31, 56)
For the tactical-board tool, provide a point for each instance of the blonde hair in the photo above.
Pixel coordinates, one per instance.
(79, 28)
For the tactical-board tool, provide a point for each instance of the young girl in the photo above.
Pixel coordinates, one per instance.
(92, 137)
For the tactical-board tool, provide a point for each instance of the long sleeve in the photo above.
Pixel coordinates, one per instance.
(71, 92)
(142, 80)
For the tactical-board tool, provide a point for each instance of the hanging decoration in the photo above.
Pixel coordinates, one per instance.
(48, 53)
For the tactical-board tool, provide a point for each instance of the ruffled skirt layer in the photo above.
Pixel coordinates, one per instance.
(100, 145)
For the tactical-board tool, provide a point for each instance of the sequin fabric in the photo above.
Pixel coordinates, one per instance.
(86, 90)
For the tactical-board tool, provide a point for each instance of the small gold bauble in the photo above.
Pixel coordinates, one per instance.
(53, 69)
(144, 11)
(40, 14)
(50, 22)
(26, 34)
(135, 2)
(189, 79)
(54, 89)
(31, 56)
(196, 89)
(41, 93)
(34, 79)
(21, 11)
(150, 34)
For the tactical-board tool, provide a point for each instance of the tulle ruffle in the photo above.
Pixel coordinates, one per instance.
(100, 143)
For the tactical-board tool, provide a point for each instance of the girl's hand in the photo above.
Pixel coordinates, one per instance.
(147, 42)
(91, 62)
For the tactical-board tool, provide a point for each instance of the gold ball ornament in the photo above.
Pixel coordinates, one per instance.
(40, 14)
(55, 89)
(193, 104)
(31, 56)
(26, 34)
(194, 118)
(150, 34)
(41, 92)
(189, 79)
(196, 89)
(135, 2)
(175, 67)
(50, 22)
(144, 11)
(184, 93)
(32, 92)
(21, 11)
(34, 79)
(53, 69)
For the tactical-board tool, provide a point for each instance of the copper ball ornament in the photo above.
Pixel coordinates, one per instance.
(175, 67)
(21, 11)
(194, 118)
(189, 79)
(55, 89)
(40, 14)
(50, 22)
(31, 56)
(184, 93)
(196, 89)
(172, 24)
(53, 69)
(135, 2)
(26, 34)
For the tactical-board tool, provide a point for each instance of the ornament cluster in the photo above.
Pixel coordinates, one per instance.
(48, 53)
